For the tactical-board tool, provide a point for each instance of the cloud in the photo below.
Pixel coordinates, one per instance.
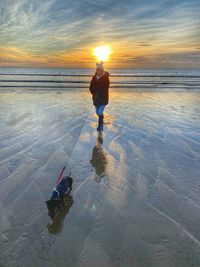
(51, 28)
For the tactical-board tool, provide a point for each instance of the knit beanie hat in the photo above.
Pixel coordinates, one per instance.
(100, 65)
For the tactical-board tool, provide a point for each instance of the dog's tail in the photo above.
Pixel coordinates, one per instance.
(70, 182)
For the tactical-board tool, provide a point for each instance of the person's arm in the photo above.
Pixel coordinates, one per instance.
(91, 88)
(105, 90)
(106, 84)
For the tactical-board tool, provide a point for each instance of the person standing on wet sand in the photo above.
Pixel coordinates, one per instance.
(99, 88)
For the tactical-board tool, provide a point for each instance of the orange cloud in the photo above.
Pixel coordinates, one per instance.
(137, 54)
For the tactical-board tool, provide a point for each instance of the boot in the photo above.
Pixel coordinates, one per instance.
(100, 123)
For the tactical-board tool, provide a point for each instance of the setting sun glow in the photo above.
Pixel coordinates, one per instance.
(102, 52)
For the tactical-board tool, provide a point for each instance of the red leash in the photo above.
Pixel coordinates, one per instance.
(60, 176)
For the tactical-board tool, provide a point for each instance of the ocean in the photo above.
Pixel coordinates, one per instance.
(37, 79)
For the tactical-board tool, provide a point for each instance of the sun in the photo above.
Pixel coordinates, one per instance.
(102, 52)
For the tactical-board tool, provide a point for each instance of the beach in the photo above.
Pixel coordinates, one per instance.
(136, 191)
(136, 204)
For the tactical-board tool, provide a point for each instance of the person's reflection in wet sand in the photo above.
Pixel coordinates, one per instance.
(99, 159)
(56, 225)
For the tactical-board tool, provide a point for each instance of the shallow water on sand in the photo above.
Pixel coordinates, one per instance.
(136, 194)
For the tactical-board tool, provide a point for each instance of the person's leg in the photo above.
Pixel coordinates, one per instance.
(101, 110)
(97, 110)
(101, 116)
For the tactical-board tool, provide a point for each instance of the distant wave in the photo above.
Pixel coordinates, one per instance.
(20, 81)
(46, 87)
(111, 75)
(43, 81)
(113, 82)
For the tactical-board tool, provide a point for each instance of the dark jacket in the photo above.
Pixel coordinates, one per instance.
(100, 89)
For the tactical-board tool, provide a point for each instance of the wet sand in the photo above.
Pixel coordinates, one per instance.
(136, 194)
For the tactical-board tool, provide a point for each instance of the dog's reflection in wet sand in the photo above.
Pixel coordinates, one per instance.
(57, 222)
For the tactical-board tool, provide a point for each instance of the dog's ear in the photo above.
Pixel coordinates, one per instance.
(70, 181)
(70, 178)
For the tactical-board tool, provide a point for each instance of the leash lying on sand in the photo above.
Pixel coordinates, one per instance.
(60, 176)
(66, 163)
(63, 187)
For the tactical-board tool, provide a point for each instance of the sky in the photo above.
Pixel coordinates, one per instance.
(62, 33)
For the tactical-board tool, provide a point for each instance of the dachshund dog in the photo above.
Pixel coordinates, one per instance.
(59, 193)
